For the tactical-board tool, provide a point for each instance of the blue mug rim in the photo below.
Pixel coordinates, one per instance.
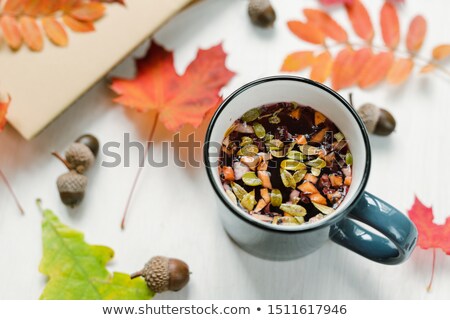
(235, 209)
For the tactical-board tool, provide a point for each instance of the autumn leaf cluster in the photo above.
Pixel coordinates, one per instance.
(27, 21)
(364, 64)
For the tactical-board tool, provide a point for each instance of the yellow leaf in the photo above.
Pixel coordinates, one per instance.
(298, 61)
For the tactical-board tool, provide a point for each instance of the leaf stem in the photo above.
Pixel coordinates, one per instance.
(64, 161)
(11, 191)
(138, 174)
(432, 271)
(39, 205)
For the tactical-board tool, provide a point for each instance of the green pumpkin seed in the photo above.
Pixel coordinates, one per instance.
(230, 129)
(248, 201)
(259, 130)
(292, 165)
(238, 190)
(309, 150)
(231, 195)
(276, 144)
(293, 209)
(339, 136)
(274, 120)
(276, 198)
(349, 159)
(322, 208)
(299, 175)
(277, 153)
(315, 172)
(246, 141)
(251, 115)
(317, 163)
(296, 155)
(268, 137)
(248, 150)
(251, 179)
(288, 179)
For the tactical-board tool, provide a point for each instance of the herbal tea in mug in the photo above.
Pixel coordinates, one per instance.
(285, 164)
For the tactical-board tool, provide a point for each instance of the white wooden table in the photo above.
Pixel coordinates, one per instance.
(174, 209)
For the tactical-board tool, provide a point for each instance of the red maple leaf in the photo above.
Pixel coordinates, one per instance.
(178, 99)
(338, 2)
(431, 235)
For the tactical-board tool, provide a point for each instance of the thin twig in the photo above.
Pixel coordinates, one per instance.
(432, 271)
(350, 99)
(141, 167)
(11, 191)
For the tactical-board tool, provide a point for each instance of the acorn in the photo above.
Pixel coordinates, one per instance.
(89, 141)
(377, 120)
(261, 13)
(71, 187)
(162, 274)
(80, 157)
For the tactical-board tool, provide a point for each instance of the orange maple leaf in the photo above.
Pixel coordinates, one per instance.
(3, 109)
(178, 99)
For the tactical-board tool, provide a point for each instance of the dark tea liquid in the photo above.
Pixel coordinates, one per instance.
(285, 164)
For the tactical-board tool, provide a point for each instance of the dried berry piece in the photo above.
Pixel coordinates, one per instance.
(163, 274)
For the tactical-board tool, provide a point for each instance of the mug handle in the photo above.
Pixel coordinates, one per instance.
(400, 234)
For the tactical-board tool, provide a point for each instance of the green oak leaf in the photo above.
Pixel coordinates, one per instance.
(77, 270)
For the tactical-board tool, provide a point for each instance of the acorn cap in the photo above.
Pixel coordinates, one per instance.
(80, 157)
(71, 187)
(90, 141)
(156, 274)
(261, 13)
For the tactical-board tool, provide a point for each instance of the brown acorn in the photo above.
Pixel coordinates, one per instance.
(80, 157)
(89, 141)
(71, 187)
(261, 13)
(163, 274)
(377, 120)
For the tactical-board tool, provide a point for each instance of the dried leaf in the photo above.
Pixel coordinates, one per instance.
(77, 270)
(441, 52)
(400, 71)
(3, 110)
(31, 33)
(298, 61)
(55, 32)
(428, 68)
(13, 7)
(376, 69)
(89, 11)
(77, 25)
(31, 7)
(360, 19)
(307, 32)
(390, 25)
(348, 66)
(327, 24)
(11, 32)
(178, 99)
(322, 66)
(416, 33)
(431, 235)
